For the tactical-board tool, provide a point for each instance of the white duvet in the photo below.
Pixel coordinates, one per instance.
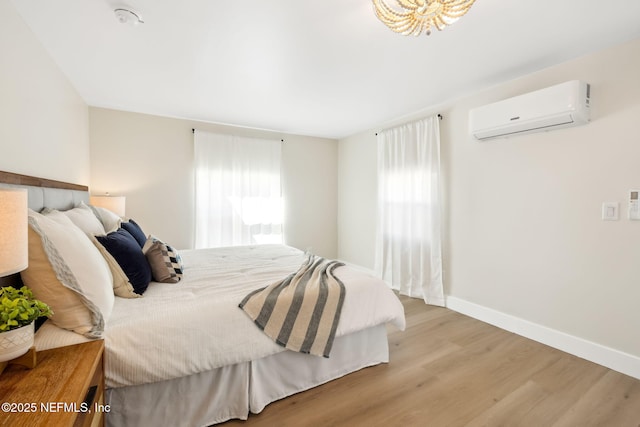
(195, 325)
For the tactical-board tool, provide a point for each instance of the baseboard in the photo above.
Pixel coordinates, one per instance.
(597, 353)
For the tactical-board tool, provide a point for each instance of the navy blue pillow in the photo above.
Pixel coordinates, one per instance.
(128, 254)
(134, 229)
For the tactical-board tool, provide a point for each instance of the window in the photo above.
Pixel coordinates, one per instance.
(238, 196)
(408, 246)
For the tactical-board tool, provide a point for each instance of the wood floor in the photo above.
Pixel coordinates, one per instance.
(448, 369)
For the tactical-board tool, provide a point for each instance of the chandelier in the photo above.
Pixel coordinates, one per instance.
(413, 17)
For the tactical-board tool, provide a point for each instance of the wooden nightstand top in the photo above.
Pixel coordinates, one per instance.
(38, 396)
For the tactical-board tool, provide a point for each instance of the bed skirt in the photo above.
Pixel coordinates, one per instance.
(235, 391)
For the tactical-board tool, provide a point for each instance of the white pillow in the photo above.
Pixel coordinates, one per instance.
(78, 266)
(110, 221)
(84, 218)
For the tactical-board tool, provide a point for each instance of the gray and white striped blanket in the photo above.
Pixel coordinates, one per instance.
(302, 311)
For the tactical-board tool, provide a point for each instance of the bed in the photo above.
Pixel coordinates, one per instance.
(185, 354)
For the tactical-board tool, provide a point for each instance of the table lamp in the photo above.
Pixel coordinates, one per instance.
(115, 204)
(14, 255)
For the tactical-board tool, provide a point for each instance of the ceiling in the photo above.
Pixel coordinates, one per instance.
(322, 68)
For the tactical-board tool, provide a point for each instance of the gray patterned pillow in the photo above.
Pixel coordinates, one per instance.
(166, 264)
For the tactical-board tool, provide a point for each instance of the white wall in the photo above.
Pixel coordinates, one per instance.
(149, 160)
(43, 121)
(357, 192)
(524, 234)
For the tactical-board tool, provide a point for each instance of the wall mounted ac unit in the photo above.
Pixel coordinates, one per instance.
(563, 105)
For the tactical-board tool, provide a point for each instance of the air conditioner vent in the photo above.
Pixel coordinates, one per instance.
(555, 107)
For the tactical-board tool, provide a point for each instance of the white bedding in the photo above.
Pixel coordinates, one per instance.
(193, 326)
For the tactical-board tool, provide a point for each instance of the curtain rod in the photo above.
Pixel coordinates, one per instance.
(438, 115)
(194, 131)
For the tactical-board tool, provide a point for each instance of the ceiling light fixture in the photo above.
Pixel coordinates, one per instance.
(127, 16)
(413, 17)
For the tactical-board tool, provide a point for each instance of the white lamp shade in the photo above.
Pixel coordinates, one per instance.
(115, 204)
(14, 252)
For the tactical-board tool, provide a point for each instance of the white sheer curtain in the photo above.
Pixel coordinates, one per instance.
(408, 244)
(238, 198)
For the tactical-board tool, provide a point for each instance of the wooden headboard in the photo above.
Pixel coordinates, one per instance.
(43, 193)
(46, 192)
(25, 180)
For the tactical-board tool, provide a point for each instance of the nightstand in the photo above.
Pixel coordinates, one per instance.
(66, 388)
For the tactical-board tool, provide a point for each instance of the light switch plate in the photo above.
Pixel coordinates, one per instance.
(610, 211)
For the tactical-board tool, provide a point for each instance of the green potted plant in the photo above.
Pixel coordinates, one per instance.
(18, 310)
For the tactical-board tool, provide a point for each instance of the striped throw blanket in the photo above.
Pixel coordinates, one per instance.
(300, 312)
